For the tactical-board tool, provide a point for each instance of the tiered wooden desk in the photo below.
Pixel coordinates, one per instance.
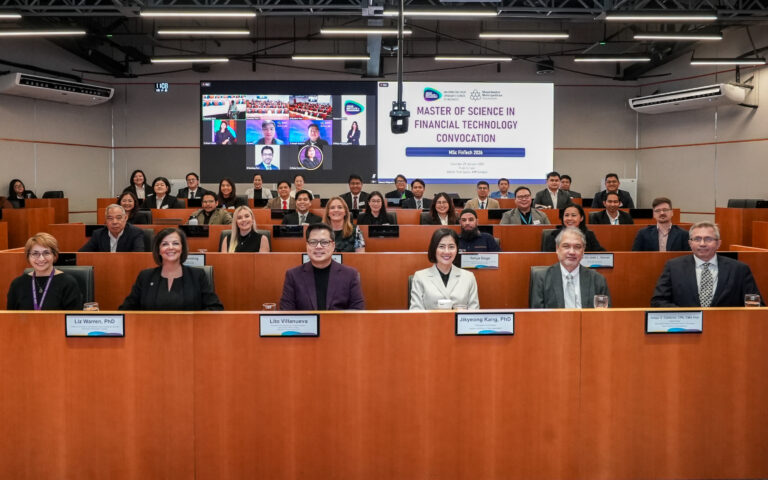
(736, 224)
(385, 395)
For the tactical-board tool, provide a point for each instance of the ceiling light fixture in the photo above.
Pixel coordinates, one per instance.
(189, 59)
(443, 13)
(198, 13)
(612, 58)
(728, 61)
(10, 16)
(363, 31)
(40, 33)
(362, 58)
(524, 35)
(660, 17)
(474, 58)
(205, 32)
(678, 36)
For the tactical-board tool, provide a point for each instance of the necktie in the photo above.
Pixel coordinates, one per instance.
(482, 205)
(302, 218)
(191, 194)
(285, 205)
(354, 203)
(570, 292)
(705, 289)
(418, 204)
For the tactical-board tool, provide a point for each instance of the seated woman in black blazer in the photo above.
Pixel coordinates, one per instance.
(376, 212)
(573, 216)
(171, 285)
(17, 193)
(138, 186)
(161, 198)
(228, 195)
(130, 203)
(441, 212)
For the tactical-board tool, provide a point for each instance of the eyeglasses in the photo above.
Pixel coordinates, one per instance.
(662, 210)
(322, 243)
(38, 254)
(703, 239)
(523, 197)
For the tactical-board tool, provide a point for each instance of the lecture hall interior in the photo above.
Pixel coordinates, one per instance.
(385, 392)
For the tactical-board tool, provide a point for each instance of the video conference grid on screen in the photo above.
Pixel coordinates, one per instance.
(459, 132)
(323, 130)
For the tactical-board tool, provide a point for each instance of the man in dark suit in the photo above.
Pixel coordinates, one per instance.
(400, 192)
(302, 214)
(355, 198)
(567, 284)
(611, 215)
(663, 236)
(565, 185)
(193, 188)
(418, 201)
(471, 238)
(119, 236)
(552, 196)
(313, 134)
(321, 283)
(704, 279)
(612, 185)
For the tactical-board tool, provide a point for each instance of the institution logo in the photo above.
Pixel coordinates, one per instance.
(353, 108)
(475, 95)
(430, 94)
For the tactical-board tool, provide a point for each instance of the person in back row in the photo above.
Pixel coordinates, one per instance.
(611, 215)
(118, 236)
(418, 200)
(612, 184)
(376, 212)
(258, 191)
(662, 237)
(401, 189)
(472, 239)
(161, 198)
(193, 188)
(17, 193)
(483, 201)
(565, 185)
(523, 214)
(442, 212)
(210, 214)
(503, 191)
(552, 196)
(355, 198)
(283, 201)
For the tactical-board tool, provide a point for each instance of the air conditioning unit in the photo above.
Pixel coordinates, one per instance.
(690, 99)
(54, 90)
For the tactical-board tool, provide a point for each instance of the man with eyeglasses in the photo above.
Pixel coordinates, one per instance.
(662, 237)
(612, 184)
(704, 279)
(118, 236)
(523, 214)
(321, 283)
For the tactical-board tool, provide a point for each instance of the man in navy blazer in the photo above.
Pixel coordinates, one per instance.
(119, 236)
(704, 279)
(647, 239)
(611, 215)
(321, 283)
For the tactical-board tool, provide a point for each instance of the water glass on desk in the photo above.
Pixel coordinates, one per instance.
(601, 301)
(269, 306)
(751, 300)
(91, 306)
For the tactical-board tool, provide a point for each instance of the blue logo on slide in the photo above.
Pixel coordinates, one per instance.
(430, 94)
(353, 108)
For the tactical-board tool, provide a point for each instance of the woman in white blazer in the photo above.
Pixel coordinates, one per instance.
(443, 285)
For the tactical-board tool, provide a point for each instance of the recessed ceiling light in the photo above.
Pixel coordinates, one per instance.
(362, 58)
(40, 33)
(204, 32)
(524, 35)
(363, 31)
(198, 13)
(678, 36)
(728, 61)
(189, 59)
(471, 58)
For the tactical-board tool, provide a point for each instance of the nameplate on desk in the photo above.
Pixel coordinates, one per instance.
(94, 325)
(195, 260)
(199, 231)
(597, 260)
(479, 260)
(300, 325)
(485, 323)
(674, 322)
(336, 257)
(383, 231)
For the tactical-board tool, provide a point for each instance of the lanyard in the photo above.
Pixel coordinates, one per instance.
(525, 220)
(39, 306)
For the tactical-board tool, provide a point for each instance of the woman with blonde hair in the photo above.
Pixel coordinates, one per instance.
(348, 237)
(244, 237)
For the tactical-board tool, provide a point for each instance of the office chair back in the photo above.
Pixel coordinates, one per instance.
(83, 274)
(228, 233)
(208, 269)
(53, 194)
(537, 271)
(544, 234)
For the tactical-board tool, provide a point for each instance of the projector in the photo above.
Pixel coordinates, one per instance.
(399, 116)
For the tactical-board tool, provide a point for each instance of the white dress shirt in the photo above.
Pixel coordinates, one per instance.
(576, 286)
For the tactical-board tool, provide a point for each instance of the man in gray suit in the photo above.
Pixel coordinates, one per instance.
(552, 196)
(567, 284)
(524, 214)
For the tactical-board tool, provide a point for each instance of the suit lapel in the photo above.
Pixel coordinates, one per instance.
(723, 279)
(437, 280)
(557, 285)
(689, 274)
(330, 294)
(309, 281)
(585, 287)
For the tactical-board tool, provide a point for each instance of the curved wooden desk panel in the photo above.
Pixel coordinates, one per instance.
(25, 222)
(60, 207)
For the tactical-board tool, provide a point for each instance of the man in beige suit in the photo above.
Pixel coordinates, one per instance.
(483, 201)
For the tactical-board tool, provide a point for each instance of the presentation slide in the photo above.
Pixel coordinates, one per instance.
(463, 132)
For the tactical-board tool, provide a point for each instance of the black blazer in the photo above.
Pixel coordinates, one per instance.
(542, 198)
(198, 293)
(147, 191)
(647, 240)
(592, 244)
(677, 286)
(601, 218)
(368, 219)
(168, 202)
(237, 202)
(293, 218)
(396, 194)
(362, 200)
(624, 197)
(132, 240)
(411, 203)
(184, 192)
